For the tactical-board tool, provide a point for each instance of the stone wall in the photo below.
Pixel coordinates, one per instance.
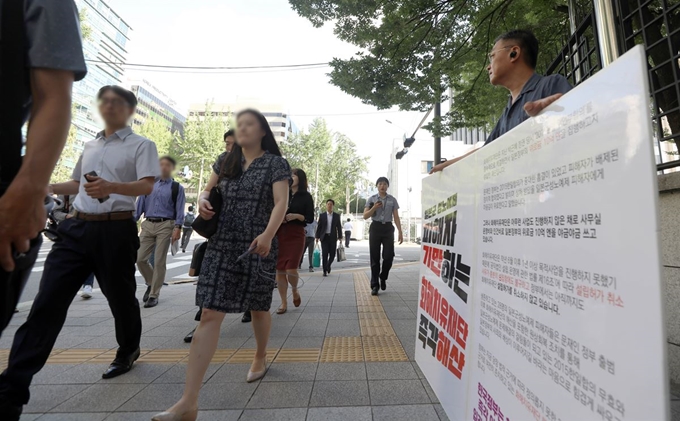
(669, 224)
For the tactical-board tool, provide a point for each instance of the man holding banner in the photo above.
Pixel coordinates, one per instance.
(512, 64)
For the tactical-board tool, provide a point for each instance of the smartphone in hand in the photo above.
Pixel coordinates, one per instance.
(94, 174)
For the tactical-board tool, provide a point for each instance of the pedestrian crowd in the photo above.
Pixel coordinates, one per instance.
(256, 211)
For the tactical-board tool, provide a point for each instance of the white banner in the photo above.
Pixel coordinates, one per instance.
(540, 279)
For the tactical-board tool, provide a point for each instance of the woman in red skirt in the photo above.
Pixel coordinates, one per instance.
(291, 237)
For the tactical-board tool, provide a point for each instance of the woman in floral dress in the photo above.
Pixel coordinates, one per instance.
(254, 181)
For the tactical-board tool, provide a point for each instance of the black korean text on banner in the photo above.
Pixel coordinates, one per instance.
(441, 327)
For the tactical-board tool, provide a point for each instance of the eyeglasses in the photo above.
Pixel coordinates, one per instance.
(116, 102)
(492, 54)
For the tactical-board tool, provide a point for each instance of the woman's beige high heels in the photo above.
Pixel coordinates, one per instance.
(173, 416)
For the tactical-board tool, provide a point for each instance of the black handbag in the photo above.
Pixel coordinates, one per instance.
(197, 259)
(207, 227)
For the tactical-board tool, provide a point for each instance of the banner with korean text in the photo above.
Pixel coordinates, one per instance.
(540, 290)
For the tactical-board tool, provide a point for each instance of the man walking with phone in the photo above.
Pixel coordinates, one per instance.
(164, 212)
(101, 237)
(382, 208)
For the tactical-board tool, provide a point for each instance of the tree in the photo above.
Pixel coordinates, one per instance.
(331, 174)
(203, 142)
(412, 51)
(68, 159)
(154, 129)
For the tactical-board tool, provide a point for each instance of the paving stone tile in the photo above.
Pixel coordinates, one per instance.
(343, 328)
(224, 415)
(227, 396)
(46, 397)
(430, 392)
(140, 373)
(154, 397)
(359, 413)
(91, 399)
(340, 393)
(290, 372)
(341, 371)
(442, 414)
(229, 373)
(90, 416)
(405, 413)
(29, 417)
(281, 395)
(49, 372)
(279, 414)
(397, 392)
(310, 328)
(297, 342)
(344, 316)
(274, 342)
(177, 373)
(391, 371)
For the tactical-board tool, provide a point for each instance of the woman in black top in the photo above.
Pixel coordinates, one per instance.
(291, 237)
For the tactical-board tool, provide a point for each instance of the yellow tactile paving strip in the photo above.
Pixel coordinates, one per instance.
(377, 343)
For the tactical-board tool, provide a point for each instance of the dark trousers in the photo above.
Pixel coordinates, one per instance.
(109, 249)
(13, 283)
(348, 234)
(328, 249)
(380, 235)
(186, 237)
(309, 246)
(89, 281)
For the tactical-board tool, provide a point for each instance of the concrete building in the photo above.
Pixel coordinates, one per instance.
(276, 114)
(406, 175)
(154, 103)
(106, 52)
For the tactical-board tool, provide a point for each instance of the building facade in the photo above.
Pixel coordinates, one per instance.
(276, 115)
(155, 104)
(105, 51)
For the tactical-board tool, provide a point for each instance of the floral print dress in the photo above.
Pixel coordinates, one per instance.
(224, 284)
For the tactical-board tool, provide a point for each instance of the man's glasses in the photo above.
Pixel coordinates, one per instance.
(493, 53)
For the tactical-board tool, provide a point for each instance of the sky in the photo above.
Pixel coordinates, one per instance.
(253, 33)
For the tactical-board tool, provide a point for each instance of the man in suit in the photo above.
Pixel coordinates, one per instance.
(329, 232)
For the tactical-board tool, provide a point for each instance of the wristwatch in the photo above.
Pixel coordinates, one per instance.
(178, 226)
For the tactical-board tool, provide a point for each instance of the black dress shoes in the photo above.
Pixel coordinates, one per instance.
(374, 291)
(120, 366)
(8, 410)
(190, 336)
(151, 302)
(146, 294)
(247, 317)
(383, 284)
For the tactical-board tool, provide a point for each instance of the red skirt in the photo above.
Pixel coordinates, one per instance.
(291, 246)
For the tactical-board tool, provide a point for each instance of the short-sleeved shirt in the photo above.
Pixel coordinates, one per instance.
(310, 229)
(53, 39)
(123, 157)
(385, 213)
(536, 88)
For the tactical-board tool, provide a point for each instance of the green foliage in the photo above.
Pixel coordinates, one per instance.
(68, 159)
(334, 154)
(203, 142)
(85, 29)
(412, 51)
(157, 131)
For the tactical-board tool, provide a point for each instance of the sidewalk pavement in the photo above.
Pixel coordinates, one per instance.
(342, 355)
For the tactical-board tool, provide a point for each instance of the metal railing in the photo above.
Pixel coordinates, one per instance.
(580, 57)
(656, 24)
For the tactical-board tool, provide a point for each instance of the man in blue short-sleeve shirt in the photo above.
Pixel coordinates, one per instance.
(512, 65)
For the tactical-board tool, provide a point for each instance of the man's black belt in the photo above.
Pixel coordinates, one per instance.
(381, 222)
(159, 219)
